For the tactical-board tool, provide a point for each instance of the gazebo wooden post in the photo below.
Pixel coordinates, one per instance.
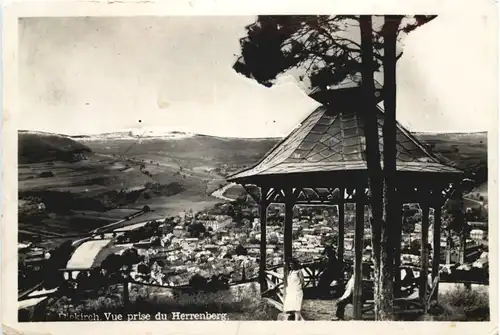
(340, 241)
(448, 250)
(424, 250)
(358, 252)
(263, 238)
(436, 248)
(287, 233)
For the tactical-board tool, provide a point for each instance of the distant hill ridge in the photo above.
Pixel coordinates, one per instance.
(38, 146)
(129, 135)
(480, 135)
(134, 134)
(467, 151)
(463, 133)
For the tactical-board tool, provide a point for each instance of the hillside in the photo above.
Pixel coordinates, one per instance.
(467, 151)
(83, 192)
(200, 152)
(81, 180)
(36, 147)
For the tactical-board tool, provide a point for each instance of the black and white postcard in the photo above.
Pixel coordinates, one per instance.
(165, 165)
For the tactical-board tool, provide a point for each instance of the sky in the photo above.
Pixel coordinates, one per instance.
(95, 75)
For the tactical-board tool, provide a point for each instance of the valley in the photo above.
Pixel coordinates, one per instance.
(69, 186)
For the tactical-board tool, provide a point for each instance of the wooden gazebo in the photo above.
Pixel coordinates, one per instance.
(323, 162)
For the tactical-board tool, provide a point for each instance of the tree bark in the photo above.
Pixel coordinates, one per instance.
(287, 234)
(341, 238)
(463, 223)
(358, 254)
(436, 248)
(375, 177)
(389, 228)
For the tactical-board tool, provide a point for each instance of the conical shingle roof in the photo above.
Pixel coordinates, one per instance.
(330, 139)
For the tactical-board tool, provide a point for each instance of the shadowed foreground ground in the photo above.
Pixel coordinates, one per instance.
(324, 310)
(459, 303)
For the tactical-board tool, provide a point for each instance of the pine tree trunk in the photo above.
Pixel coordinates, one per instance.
(375, 177)
(391, 204)
(463, 223)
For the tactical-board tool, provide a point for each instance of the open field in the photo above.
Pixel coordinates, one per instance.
(81, 196)
(86, 184)
(467, 151)
(90, 183)
(199, 152)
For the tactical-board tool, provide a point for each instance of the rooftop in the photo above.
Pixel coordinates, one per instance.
(332, 138)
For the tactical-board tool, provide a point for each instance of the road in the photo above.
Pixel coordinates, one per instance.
(219, 194)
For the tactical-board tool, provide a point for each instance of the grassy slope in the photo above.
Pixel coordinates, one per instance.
(467, 151)
(45, 147)
(198, 152)
(79, 194)
(195, 163)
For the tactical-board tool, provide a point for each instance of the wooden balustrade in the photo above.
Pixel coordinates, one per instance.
(274, 294)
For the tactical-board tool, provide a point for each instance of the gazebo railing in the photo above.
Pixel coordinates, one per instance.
(274, 294)
(311, 270)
